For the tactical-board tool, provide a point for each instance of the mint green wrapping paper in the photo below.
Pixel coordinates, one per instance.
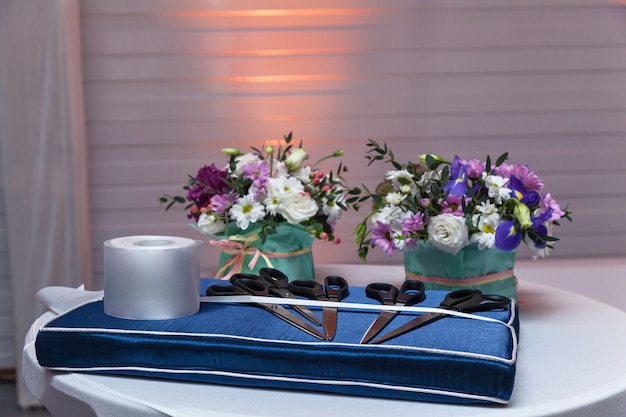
(489, 270)
(288, 250)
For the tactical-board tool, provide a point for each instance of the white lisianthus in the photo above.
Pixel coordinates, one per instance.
(332, 209)
(246, 210)
(242, 161)
(283, 185)
(210, 224)
(448, 233)
(280, 169)
(391, 215)
(298, 207)
(295, 159)
(303, 174)
(496, 187)
(427, 178)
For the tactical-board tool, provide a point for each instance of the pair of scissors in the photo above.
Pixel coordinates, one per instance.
(248, 284)
(466, 301)
(411, 292)
(335, 288)
(279, 286)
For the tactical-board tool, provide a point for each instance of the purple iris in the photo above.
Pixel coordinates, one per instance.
(519, 191)
(458, 179)
(509, 234)
(539, 228)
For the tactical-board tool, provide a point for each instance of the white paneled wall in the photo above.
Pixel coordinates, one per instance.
(7, 356)
(168, 84)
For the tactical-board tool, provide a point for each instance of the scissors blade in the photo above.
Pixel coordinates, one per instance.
(283, 314)
(416, 323)
(306, 313)
(329, 319)
(378, 325)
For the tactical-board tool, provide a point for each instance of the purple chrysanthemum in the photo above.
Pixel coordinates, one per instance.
(382, 236)
(454, 205)
(531, 181)
(222, 202)
(474, 168)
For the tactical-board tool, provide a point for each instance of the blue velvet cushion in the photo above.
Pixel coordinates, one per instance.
(451, 360)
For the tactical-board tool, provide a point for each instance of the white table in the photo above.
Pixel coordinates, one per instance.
(571, 363)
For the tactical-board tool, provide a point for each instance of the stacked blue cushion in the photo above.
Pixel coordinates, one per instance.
(455, 359)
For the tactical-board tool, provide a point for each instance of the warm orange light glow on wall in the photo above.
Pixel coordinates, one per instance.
(273, 12)
(284, 78)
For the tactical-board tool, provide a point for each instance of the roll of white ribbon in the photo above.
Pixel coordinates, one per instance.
(152, 277)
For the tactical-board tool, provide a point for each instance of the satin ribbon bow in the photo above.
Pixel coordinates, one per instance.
(238, 246)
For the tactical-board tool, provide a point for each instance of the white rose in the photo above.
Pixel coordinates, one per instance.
(448, 233)
(298, 208)
(209, 224)
(295, 159)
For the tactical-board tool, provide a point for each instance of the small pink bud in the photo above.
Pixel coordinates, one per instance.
(326, 187)
(203, 210)
(194, 208)
(324, 236)
(337, 241)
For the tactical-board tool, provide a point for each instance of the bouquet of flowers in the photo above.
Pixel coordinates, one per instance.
(451, 204)
(263, 189)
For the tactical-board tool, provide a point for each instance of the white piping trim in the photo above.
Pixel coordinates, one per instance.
(293, 379)
(493, 358)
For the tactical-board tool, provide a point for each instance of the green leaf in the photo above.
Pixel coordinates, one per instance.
(502, 158)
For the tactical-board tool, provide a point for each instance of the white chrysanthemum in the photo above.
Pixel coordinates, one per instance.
(497, 189)
(395, 199)
(489, 211)
(210, 224)
(486, 235)
(273, 204)
(298, 207)
(246, 210)
(448, 233)
(402, 181)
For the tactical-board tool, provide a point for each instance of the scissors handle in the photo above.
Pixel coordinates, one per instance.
(308, 289)
(251, 283)
(274, 276)
(336, 287)
(219, 290)
(469, 301)
(384, 293)
(411, 292)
